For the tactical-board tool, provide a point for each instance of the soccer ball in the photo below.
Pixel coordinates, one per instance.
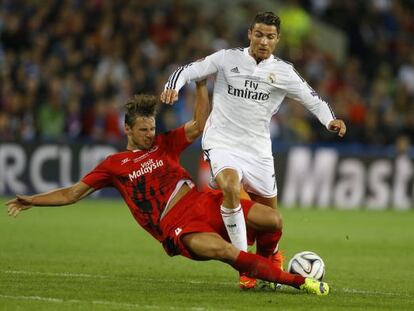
(307, 264)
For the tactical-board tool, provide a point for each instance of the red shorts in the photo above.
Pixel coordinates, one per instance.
(195, 212)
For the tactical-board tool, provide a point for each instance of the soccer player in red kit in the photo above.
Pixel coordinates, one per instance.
(164, 201)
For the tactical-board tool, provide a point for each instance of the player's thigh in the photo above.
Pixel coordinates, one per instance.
(259, 178)
(210, 245)
(272, 201)
(220, 160)
(229, 181)
(264, 218)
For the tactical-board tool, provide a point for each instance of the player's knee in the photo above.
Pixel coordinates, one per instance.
(276, 220)
(231, 190)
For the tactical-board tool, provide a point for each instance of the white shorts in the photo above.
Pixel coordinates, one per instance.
(257, 175)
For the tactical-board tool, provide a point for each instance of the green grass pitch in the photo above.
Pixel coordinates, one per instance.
(92, 256)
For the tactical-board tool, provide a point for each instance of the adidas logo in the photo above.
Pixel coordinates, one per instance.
(235, 70)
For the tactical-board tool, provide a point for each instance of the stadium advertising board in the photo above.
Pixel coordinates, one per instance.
(305, 178)
(324, 178)
(39, 168)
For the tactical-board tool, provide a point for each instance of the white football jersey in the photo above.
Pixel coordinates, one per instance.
(246, 96)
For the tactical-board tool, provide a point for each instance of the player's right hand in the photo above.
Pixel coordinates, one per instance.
(20, 203)
(169, 96)
(337, 126)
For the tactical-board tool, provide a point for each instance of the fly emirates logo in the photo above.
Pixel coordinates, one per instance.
(249, 91)
(146, 168)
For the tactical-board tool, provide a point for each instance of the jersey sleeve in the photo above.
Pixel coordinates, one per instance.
(195, 71)
(175, 141)
(99, 177)
(298, 89)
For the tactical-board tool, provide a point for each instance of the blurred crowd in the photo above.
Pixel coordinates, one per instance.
(67, 66)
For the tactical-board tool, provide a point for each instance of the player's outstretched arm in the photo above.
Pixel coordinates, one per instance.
(57, 197)
(194, 128)
(194, 71)
(337, 126)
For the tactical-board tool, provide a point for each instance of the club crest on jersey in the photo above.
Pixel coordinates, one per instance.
(272, 78)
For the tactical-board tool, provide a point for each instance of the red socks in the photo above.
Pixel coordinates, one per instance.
(258, 267)
(266, 242)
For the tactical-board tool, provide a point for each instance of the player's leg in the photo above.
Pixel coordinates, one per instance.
(263, 218)
(260, 183)
(272, 201)
(228, 180)
(267, 224)
(210, 245)
(224, 169)
(264, 222)
(267, 242)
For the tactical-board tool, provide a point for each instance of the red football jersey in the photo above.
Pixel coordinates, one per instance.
(145, 178)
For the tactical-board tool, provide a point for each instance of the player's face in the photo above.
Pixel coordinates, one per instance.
(141, 135)
(263, 39)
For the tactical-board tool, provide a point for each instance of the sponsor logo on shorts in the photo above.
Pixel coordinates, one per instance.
(178, 231)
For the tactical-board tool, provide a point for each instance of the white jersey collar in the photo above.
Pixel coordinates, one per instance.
(269, 59)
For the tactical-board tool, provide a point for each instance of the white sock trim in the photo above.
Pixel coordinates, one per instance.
(235, 225)
(225, 210)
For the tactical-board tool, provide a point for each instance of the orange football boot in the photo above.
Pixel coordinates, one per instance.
(246, 282)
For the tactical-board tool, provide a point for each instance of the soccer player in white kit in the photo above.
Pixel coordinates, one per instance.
(250, 86)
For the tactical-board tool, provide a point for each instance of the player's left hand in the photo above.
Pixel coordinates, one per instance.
(20, 203)
(337, 126)
(169, 96)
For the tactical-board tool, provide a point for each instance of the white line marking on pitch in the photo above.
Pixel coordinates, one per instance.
(64, 274)
(366, 292)
(99, 276)
(48, 299)
(101, 302)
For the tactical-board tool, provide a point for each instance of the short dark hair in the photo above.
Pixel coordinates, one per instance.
(268, 18)
(141, 105)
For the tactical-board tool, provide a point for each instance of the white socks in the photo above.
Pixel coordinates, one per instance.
(235, 226)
